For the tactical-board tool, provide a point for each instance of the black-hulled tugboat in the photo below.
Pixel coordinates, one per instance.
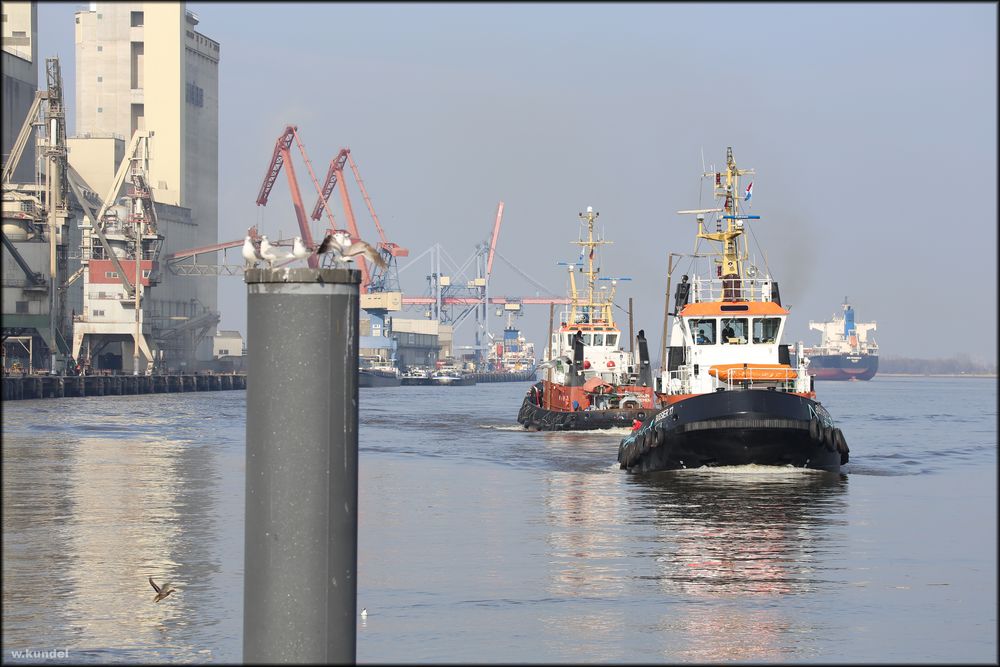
(730, 393)
(590, 382)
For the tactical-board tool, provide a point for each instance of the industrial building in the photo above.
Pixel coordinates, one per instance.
(146, 110)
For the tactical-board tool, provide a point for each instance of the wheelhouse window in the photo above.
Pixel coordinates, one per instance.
(702, 331)
(599, 339)
(611, 339)
(734, 330)
(765, 329)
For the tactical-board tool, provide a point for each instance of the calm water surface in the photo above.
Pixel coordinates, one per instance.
(481, 542)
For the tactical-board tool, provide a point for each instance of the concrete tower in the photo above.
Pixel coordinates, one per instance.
(143, 66)
(20, 79)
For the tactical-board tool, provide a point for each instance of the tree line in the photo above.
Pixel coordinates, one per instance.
(954, 366)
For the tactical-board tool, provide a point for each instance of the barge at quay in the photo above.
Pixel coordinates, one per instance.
(378, 372)
(731, 394)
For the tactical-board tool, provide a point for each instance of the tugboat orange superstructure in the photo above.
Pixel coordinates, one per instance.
(591, 381)
(731, 394)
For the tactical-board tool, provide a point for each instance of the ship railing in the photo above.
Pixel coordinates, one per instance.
(731, 289)
(779, 379)
(785, 380)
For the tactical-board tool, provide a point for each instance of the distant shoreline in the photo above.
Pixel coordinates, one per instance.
(942, 375)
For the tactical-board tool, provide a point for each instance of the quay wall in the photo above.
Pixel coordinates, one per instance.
(19, 387)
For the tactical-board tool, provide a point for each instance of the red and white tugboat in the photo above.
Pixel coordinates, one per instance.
(730, 394)
(591, 382)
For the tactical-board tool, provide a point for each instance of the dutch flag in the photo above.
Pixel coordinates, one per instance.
(749, 192)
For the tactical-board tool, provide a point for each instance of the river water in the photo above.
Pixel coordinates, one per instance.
(481, 542)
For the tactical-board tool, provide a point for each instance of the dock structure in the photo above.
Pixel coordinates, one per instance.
(17, 387)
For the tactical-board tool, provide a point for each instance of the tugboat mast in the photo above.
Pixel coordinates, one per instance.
(730, 267)
(592, 310)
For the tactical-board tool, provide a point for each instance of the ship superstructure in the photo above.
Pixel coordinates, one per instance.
(512, 353)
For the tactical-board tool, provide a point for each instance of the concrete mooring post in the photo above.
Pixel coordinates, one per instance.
(300, 569)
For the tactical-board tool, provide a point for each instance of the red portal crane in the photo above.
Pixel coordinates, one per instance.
(370, 280)
(283, 157)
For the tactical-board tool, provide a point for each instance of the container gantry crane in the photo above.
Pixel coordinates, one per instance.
(473, 296)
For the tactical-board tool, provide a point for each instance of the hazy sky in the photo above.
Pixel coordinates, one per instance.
(872, 129)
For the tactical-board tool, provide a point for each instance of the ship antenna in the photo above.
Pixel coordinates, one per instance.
(701, 181)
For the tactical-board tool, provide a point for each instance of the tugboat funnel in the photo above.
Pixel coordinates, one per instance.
(645, 372)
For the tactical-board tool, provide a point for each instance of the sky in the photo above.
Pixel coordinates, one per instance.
(872, 130)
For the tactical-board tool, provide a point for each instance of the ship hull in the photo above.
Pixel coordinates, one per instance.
(414, 381)
(449, 381)
(537, 418)
(739, 427)
(843, 366)
(369, 378)
(505, 376)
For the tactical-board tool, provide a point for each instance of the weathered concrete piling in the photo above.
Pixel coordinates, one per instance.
(300, 574)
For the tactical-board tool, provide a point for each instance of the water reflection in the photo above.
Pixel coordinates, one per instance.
(584, 516)
(110, 501)
(36, 509)
(730, 540)
(742, 531)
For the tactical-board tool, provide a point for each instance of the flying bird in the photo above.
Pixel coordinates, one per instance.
(250, 253)
(299, 249)
(339, 243)
(161, 591)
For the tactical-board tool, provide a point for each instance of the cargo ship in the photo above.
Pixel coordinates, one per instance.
(590, 381)
(731, 395)
(846, 350)
(512, 359)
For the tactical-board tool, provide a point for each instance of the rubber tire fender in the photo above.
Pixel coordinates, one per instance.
(828, 439)
(839, 441)
(814, 429)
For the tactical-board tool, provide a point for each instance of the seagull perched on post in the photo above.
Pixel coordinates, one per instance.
(269, 252)
(161, 591)
(250, 252)
(299, 249)
(339, 243)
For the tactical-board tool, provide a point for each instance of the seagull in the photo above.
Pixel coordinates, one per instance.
(161, 591)
(299, 250)
(250, 253)
(269, 253)
(364, 612)
(339, 243)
